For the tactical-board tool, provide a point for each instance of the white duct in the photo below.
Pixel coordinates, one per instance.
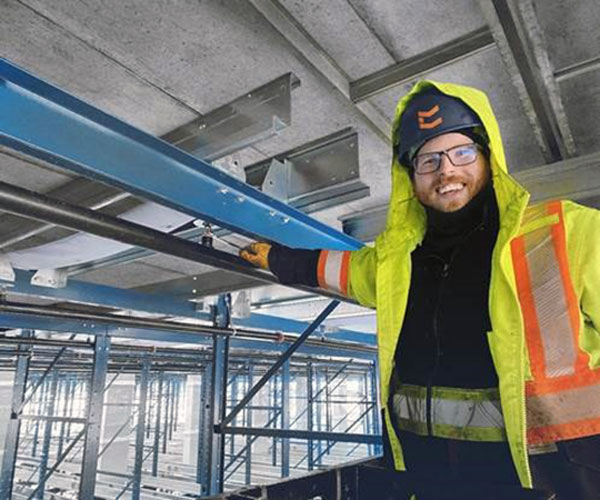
(82, 247)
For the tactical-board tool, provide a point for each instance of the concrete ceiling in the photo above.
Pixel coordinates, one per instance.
(159, 64)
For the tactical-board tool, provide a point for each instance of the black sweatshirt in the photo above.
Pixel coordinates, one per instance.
(443, 340)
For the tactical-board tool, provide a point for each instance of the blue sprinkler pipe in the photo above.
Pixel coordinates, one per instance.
(45, 122)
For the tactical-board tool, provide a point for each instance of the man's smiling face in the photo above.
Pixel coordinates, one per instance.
(450, 187)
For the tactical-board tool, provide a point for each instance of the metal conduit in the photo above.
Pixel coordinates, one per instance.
(30, 204)
(48, 311)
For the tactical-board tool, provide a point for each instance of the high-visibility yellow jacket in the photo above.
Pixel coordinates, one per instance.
(379, 277)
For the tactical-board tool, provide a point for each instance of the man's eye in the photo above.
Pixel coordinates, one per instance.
(466, 151)
(427, 161)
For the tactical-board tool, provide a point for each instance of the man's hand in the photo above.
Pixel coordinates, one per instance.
(257, 254)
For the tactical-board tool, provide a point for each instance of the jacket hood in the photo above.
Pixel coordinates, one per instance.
(405, 213)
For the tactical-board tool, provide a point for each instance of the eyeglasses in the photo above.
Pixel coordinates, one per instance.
(459, 156)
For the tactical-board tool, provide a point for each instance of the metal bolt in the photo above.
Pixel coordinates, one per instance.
(285, 220)
(240, 199)
(272, 213)
(223, 190)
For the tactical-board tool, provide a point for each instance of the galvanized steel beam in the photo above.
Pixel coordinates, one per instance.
(577, 69)
(296, 35)
(419, 65)
(521, 45)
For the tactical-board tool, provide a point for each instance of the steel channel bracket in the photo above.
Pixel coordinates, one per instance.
(318, 175)
(43, 121)
(255, 116)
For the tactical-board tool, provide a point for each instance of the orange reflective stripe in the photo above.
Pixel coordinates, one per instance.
(333, 270)
(571, 430)
(344, 273)
(563, 399)
(321, 268)
(533, 335)
(560, 246)
(557, 384)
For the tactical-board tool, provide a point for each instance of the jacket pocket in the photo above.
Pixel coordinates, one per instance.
(583, 452)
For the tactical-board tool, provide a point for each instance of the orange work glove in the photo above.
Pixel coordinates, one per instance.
(257, 253)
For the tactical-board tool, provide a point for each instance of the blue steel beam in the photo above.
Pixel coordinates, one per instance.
(338, 437)
(90, 293)
(43, 121)
(37, 322)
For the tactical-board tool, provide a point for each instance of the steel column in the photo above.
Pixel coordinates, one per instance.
(376, 414)
(248, 423)
(165, 435)
(49, 412)
(63, 397)
(95, 404)
(367, 424)
(11, 442)
(319, 409)
(156, 444)
(173, 392)
(214, 453)
(179, 386)
(233, 399)
(285, 418)
(327, 404)
(139, 431)
(276, 413)
(309, 416)
(204, 431)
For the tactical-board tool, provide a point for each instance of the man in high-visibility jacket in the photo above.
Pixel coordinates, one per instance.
(488, 308)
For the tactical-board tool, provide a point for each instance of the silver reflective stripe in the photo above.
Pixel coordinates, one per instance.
(550, 303)
(569, 405)
(456, 413)
(333, 270)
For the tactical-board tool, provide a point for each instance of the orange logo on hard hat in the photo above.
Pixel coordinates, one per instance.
(423, 125)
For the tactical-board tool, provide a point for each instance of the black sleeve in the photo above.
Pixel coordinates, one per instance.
(294, 267)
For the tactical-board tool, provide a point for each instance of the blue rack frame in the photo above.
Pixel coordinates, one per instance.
(45, 122)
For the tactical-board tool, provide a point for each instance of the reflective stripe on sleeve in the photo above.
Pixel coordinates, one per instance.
(333, 270)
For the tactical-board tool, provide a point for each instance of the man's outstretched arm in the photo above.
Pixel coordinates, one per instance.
(291, 266)
(348, 273)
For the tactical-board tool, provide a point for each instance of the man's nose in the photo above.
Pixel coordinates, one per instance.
(445, 165)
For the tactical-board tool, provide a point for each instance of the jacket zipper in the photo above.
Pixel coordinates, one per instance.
(436, 333)
(436, 336)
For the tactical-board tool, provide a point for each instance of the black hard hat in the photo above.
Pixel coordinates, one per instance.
(429, 114)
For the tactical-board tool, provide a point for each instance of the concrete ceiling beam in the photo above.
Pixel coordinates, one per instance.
(520, 40)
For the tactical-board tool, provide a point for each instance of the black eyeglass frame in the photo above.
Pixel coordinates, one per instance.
(439, 154)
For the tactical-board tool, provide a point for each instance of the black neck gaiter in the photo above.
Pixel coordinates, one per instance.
(446, 230)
